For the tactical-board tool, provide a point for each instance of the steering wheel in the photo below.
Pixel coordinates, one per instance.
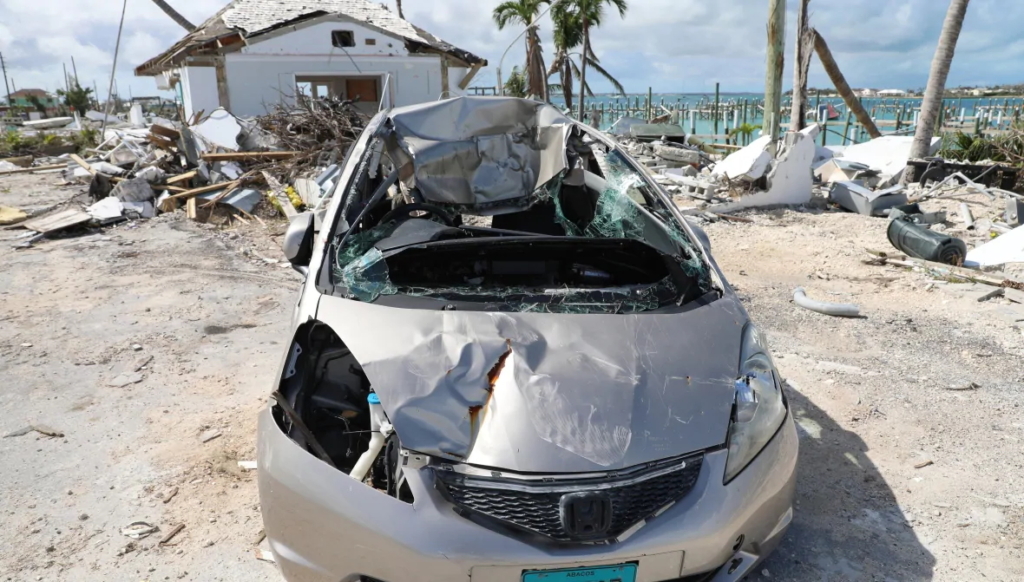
(403, 213)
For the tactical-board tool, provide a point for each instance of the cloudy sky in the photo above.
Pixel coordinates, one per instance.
(670, 45)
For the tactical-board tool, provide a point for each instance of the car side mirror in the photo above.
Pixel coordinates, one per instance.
(298, 241)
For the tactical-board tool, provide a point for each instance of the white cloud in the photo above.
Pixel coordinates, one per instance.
(672, 45)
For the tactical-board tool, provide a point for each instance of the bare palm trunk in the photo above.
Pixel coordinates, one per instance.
(583, 65)
(535, 67)
(934, 92)
(567, 81)
(398, 3)
(776, 61)
(175, 15)
(804, 48)
(832, 68)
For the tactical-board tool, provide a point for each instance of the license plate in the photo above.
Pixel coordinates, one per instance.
(620, 573)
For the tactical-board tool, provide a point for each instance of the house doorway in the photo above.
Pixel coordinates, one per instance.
(365, 91)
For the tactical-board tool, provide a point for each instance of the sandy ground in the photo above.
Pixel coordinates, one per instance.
(201, 314)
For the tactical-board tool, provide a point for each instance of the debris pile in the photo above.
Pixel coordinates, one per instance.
(215, 163)
(958, 213)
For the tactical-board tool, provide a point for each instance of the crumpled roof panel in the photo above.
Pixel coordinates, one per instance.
(253, 16)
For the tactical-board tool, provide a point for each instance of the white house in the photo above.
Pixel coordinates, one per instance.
(892, 93)
(254, 53)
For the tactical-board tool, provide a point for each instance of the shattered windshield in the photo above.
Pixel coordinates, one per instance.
(536, 219)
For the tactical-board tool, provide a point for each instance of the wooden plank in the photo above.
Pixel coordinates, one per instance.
(78, 160)
(205, 190)
(35, 169)
(243, 156)
(57, 221)
(182, 177)
(166, 132)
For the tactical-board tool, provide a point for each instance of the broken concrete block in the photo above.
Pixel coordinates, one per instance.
(749, 163)
(125, 379)
(856, 198)
(678, 155)
(790, 181)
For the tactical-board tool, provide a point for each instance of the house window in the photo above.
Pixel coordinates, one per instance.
(371, 42)
(343, 38)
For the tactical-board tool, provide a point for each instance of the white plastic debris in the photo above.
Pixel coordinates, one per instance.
(139, 530)
(220, 129)
(887, 154)
(106, 168)
(152, 174)
(1008, 248)
(135, 115)
(749, 163)
(107, 209)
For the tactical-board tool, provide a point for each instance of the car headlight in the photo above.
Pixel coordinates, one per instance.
(760, 407)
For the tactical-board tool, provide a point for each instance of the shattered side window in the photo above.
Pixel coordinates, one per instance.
(360, 267)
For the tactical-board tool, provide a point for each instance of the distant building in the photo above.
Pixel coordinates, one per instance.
(22, 98)
(892, 93)
(865, 93)
(255, 53)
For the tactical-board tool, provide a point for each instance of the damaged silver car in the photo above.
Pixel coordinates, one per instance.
(513, 360)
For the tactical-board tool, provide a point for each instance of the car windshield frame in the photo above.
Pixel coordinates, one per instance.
(655, 204)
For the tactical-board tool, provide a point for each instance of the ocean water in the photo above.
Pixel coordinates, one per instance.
(882, 109)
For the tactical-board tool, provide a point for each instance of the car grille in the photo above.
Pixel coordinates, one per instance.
(536, 506)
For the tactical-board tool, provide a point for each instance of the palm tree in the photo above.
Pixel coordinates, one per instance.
(569, 35)
(587, 14)
(524, 12)
(933, 93)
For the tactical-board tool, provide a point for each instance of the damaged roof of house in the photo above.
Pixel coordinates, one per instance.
(233, 25)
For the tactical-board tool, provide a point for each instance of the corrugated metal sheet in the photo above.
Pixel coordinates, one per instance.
(253, 16)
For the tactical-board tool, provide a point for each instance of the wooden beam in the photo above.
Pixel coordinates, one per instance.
(205, 190)
(35, 169)
(182, 177)
(78, 160)
(473, 70)
(223, 95)
(242, 156)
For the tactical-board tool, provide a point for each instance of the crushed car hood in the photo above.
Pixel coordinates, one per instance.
(487, 153)
(545, 393)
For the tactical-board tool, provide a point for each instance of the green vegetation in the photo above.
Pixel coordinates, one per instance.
(1005, 149)
(517, 84)
(523, 13)
(573, 21)
(14, 143)
(77, 98)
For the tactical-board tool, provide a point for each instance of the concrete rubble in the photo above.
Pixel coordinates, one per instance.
(862, 178)
(215, 166)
